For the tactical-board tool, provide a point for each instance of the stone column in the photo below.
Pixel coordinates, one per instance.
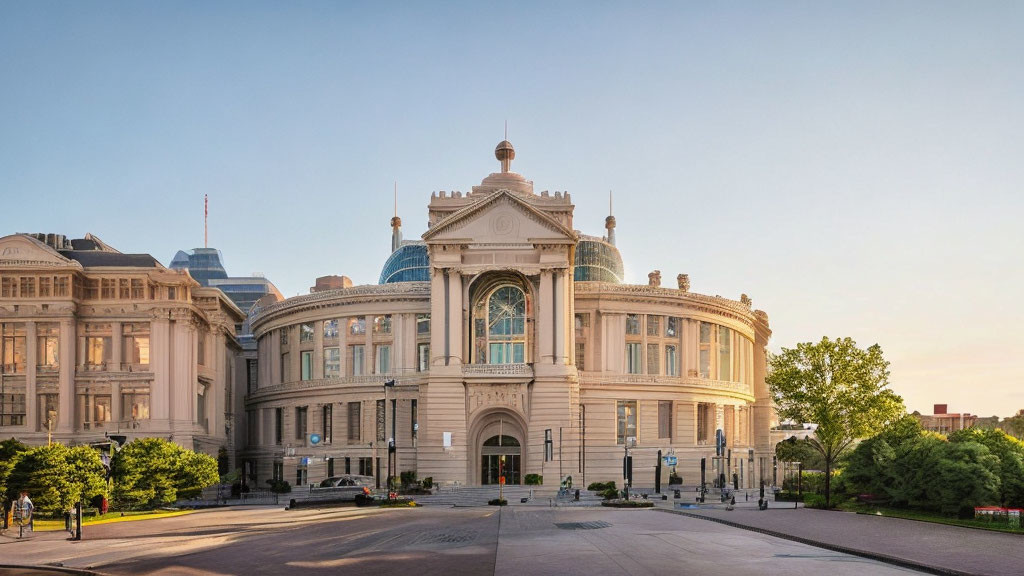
(544, 320)
(116, 345)
(66, 352)
(182, 384)
(31, 361)
(455, 316)
(115, 402)
(369, 354)
(318, 350)
(343, 346)
(160, 364)
(560, 312)
(438, 335)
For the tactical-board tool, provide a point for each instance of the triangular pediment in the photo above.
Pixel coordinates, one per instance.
(501, 218)
(21, 251)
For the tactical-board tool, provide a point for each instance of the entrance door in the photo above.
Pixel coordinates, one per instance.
(500, 456)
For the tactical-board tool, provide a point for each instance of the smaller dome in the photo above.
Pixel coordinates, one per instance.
(410, 263)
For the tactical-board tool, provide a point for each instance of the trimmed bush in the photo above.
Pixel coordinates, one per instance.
(497, 502)
(609, 493)
(814, 501)
(408, 478)
(533, 479)
(427, 482)
(279, 486)
(628, 504)
(600, 486)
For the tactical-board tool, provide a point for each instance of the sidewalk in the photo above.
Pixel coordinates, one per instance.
(935, 548)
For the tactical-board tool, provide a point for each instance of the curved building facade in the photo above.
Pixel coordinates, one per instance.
(517, 350)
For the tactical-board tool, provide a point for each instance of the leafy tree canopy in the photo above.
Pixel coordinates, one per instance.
(152, 472)
(838, 386)
(56, 476)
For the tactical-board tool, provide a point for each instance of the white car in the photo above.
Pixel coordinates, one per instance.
(346, 487)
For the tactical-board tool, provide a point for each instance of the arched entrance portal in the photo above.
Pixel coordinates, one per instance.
(500, 456)
(498, 439)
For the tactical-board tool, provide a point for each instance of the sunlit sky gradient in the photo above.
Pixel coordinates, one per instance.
(856, 168)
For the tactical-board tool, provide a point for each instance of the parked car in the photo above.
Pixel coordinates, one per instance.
(345, 487)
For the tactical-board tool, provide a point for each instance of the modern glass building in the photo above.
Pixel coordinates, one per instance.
(206, 266)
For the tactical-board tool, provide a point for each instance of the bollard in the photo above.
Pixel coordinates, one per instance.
(676, 496)
(577, 495)
(78, 520)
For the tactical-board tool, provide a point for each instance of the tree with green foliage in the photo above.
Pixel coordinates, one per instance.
(793, 450)
(838, 386)
(152, 472)
(8, 450)
(56, 476)
(1010, 452)
(964, 475)
(1014, 425)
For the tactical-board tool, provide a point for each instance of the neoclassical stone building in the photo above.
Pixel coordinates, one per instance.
(95, 342)
(515, 349)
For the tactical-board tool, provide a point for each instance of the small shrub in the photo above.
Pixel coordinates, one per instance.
(601, 486)
(609, 493)
(279, 486)
(427, 482)
(674, 479)
(497, 502)
(533, 479)
(814, 501)
(408, 477)
(628, 504)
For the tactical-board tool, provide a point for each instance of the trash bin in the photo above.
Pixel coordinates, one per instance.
(577, 495)
(676, 496)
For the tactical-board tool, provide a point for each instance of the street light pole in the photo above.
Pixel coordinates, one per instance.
(391, 440)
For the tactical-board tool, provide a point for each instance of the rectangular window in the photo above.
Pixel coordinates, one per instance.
(108, 288)
(380, 415)
(124, 289)
(97, 350)
(703, 418)
(354, 422)
(423, 357)
(251, 429)
(653, 359)
(201, 347)
(330, 329)
(12, 405)
(44, 286)
(91, 290)
(671, 360)
(626, 427)
(306, 364)
(284, 337)
(60, 286)
(634, 353)
(278, 471)
(382, 324)
(366, 466)
(138, 289)
(724, 353)
(301, 421)
(671, 327)
(383, 355)
(664, 419)
(286, 367)
(415, 415)
(357, 360)
(633, 324)
(28, 287)
(332, 363)
(8, 287)
(301, 474)
(14, 347)
(654, 325)
(201, 406)
(357, 325)
(326, 424)
(422, 324)
(278, 425)
(306, 332)
(252, 375)
(135, 403)
(136, 342)
(172, 293)
(47, 351)
(581, 353)
(705, 350)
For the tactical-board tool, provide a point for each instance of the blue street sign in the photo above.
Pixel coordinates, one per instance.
(314, 439)
(671, 460)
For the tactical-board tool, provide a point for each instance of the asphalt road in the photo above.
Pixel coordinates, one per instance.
(424, 541)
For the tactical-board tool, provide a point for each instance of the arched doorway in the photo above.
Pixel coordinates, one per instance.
(500, 455)
(498, 441)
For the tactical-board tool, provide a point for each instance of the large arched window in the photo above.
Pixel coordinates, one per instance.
(500, 329)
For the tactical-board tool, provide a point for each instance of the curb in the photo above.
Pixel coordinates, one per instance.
(46, 568)
(901, 562)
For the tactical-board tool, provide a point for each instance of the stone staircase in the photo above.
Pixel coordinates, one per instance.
(480, 495)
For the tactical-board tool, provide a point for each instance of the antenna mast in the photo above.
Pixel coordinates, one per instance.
(206, 217)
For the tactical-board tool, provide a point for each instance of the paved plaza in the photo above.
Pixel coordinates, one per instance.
(480, 540)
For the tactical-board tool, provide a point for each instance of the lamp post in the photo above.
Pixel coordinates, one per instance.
(391, 439)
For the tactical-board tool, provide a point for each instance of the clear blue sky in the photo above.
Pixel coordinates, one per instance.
(854, 167)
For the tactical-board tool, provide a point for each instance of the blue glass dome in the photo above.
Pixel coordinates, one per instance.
(410, 263)
(597, 261)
